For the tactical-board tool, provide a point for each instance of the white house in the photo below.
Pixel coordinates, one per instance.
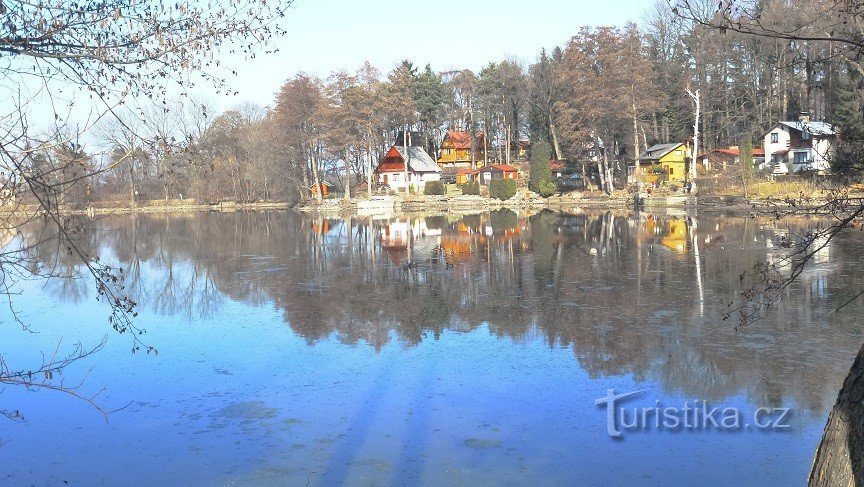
(421, 169)
(800, 146)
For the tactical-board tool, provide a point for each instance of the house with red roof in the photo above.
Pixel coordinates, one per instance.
(497, 171)
(393, 174)
(722, 158)
(455, 151)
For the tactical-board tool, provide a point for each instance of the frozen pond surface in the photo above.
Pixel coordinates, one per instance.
(429, 350)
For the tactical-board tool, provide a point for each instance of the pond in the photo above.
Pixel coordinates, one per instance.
(434, 350)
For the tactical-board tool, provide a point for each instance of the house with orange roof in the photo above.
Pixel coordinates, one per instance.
(455, 151)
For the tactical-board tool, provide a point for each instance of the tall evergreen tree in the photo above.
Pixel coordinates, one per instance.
(849, 117)
(541, 169)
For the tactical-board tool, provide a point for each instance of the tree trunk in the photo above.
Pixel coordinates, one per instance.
(347, 176)
(635, 143)
(839, 459)
(316, 179)
(555, 144)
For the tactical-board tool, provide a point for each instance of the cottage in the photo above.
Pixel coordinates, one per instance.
(558, 168)
(391, 170)
(723, 157)
(671, 158)
(456, 149)
(497, 171)
(800, 146)
(323, 187)
(521, 148)
(464, 176)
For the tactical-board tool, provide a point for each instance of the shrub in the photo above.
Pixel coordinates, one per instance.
(547, 189)
(503, 189)
(434, 188)
(471, 188)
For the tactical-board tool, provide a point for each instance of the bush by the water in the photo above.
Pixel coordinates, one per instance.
(471, 188)
(547, 189)
(503, 189)
(434, 188)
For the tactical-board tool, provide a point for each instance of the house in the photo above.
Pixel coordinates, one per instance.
(723, 157)
(558, 168)
(497, 171)
(455, 149)
(670, 158)
(324, 187)
(391, 170)
(800, 146)
(466, 175)
(522, 148)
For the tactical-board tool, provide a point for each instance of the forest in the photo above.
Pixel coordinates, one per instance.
(624, 87)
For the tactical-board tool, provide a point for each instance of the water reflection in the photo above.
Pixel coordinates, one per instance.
(472, 345)
(632, 295)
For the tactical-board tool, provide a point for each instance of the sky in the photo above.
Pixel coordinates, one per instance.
(331, 35)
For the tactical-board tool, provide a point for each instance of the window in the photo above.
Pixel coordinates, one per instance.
(800, 158)
(592, 153)
(678, 152)
(671, 171)
(775, 138)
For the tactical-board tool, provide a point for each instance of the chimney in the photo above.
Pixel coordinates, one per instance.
(804, 117)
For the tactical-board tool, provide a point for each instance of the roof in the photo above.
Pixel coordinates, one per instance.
(814, 128)
(500, 167)
(418, 159)
(733, 151)
(467, 171)
(659, 151)
(461, 140)
(557, 165)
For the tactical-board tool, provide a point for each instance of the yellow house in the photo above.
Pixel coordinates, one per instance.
(456, 150)
(670, 158)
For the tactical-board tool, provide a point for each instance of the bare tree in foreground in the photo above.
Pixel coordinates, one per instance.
(839, 459)
(58, 56)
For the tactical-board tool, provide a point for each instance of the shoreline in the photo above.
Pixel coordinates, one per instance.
(397, 205)
(384, 205)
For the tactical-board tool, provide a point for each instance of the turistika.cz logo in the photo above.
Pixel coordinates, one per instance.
(696, 415)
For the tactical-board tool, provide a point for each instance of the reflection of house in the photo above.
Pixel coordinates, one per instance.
(675, 238)
(403, 238)
(723, 157)
(321, 227)
(456, 149)
(497, 171)
(670, 160)
(800, 146)
(421, 169)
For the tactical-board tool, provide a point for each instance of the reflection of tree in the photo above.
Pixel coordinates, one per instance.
(622, 293)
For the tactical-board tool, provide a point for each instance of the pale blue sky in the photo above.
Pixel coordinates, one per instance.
(329, 35)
